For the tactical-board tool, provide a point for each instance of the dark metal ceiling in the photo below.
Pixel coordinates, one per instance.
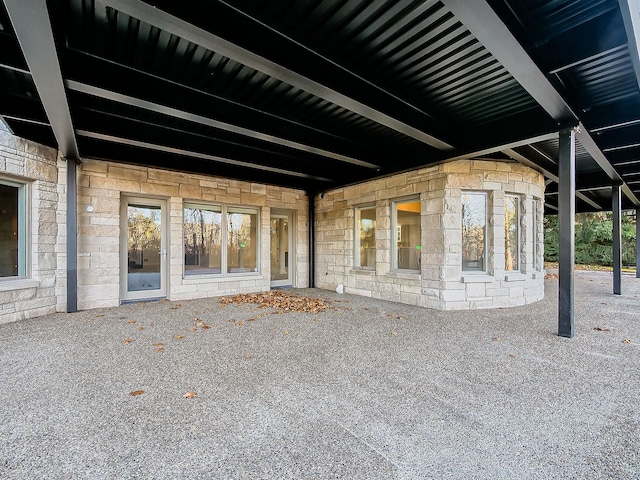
(318, 94)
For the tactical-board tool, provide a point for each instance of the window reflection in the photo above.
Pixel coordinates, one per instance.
(511, 233)
(202, 241)
(366, 236)
(474, 225)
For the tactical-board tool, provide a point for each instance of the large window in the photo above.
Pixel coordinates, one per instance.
(242, 240)
(474, 231)
(365, 237)
(511, 233)
(215, 246)
(406, 227)
(13, 235)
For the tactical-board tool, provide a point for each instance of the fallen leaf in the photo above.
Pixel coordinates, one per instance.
(128, 340)
(496, 339)
(193, 329)
(131, 322)
(189, 394)
(317, 319)
(602, 329)
(158, 344)
(206, 327)
(159, 349)
(280, 301)
(200, 324)
(99, 315)
(178, 337)
(247, 356)
(251, 320)
(626, 340)
(394, 333)
(512, 355)
(240, 324)
(286, 332)
(135, 393)
(140, 328)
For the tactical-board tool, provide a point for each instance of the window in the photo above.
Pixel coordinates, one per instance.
(365, 237)
(13, 234)
(242, 240)
(474, 231)
(536, 235)
(511, 233)
(202, 240)
(215, 246)
(406, 224)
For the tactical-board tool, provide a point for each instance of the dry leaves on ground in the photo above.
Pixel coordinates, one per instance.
(626, 340)
(496, 339)
(602, 329)
(127, 341)
(189, 394)
(551, 276)
(135, 393)
(281, 301)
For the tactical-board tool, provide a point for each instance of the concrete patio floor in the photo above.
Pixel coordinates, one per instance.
(370, 389)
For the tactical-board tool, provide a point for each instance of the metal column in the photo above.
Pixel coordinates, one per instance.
(312, 239)
(617, 239)
(566, 240)
(637, 242)
(72, 237)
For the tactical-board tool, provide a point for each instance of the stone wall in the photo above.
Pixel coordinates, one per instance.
(440, 283)
(101, 185)
(36, 166)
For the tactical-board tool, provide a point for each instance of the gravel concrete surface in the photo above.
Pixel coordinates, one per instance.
(370, 389)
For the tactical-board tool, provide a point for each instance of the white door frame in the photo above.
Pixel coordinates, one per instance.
(125, 294)
(291, 268)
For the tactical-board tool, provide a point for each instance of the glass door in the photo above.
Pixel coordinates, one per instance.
(143, 249)
(281, 249)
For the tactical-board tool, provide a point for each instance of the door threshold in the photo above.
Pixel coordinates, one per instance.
(142, 300)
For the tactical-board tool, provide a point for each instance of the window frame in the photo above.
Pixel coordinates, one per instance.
(485, 258)
(518, 207)
(24, 272)
(396, 233)
(357, 261)
(536, 234)
(224, 210)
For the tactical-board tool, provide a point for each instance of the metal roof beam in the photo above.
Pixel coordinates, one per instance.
(553, 176)
(31, 23)
(630, 10)
(335, 76)
(199, 155)
(486, 26)
(192, 117)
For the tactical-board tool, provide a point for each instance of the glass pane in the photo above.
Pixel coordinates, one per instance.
(279, 248)
(367, 237)
(9, 231)
(511, 233)
(408, 235)
(474, 220)
(143, 247)
(242, 242)
(202, 241)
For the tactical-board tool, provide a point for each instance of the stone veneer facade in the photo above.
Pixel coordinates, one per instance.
(102, 186)
(440, 283)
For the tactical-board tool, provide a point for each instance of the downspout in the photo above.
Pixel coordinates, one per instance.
(72, 236)
(312, 238)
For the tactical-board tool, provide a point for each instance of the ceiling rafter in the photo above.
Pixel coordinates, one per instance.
(181, 28)
(30, 20)
(189, 153)
(192, 117)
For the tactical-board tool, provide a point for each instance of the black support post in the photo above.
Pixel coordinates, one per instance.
(616, 208)
(637, 242)
(566, 240)
(72, 237)
(312, 239)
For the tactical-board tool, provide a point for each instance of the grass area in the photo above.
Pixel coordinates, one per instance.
(599, 268)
